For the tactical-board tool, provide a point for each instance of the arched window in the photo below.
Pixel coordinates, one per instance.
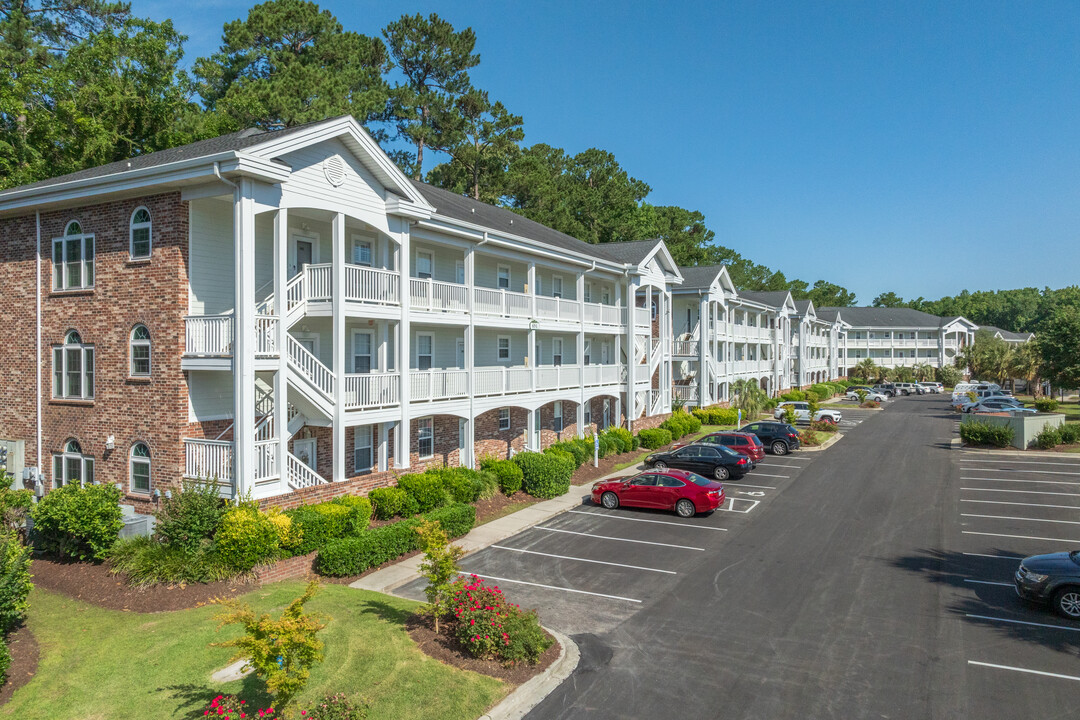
(73, 259)
(140, 234)
(140, 351)
(70, 465)
(140, 468)
(73, 368)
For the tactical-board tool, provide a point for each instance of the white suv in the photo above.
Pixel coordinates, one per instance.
(802, 412)
(935, 388)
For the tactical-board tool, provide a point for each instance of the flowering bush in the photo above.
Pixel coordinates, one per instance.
(490, 626)
(230, 707)
(870, 404)
(335, 707)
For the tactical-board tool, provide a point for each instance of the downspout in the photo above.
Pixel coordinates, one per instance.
(37, 219)
(237, 481)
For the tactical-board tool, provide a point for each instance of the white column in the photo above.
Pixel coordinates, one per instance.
(338, 295)
(704, 318)
(384, 430)
(281, 309)
(470, 350)
(404, 355)
(631, 364)
(530, 430)
(244, 339)
(531, 279)
(580, 294)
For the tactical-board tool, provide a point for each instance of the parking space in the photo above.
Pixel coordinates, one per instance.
(1008, 508)
(588, 568)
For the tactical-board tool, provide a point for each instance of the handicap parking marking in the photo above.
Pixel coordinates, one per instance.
(618, 539)
(1041, 673)
(551, 587)
(607, 516)
(732, 500)
(585, 560)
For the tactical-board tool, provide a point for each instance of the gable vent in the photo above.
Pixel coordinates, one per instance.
(334, 169)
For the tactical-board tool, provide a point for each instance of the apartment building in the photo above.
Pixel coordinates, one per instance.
(894, 337)
(1013, 338)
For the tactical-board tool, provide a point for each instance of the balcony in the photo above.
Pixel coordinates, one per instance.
(362, 284)
(552, 308)
(502, 303)
(366, 391)
(641, 317)
(686, 393)
(686, 348)
(600, 314)
(437, 296)
(438, 384)
(208, 459)
(208, 335)
(515, 380)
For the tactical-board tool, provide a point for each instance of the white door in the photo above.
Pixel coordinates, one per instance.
(461, 352)
(303, 254)
(306, 449)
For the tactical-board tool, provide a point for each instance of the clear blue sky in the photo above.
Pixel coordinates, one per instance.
(940, 141)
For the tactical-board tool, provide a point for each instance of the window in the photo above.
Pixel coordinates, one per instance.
(655, 309)
(556, 351)
(588, 352)
(140, 351)
(361, 252)
(140, 468)
(504, 418)
(423, 351)
(425, 438)
(605, 297)
(588, 292)
(140, 234)
(504, 348)
(72, 466)
(558, 419)
(459, 272)
(503, 277)
(361, 352)
(424, 264)
(556, 286)
(73, 369)
(73, 259)
(363, 457)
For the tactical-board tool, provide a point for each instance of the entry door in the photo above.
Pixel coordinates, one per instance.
(460, 352)
(305, 251)
(306, 449)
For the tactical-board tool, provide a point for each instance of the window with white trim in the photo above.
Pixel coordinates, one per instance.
(362, 352)
(362, 252)
(140, 468)
(140, 351)
(588, 292)
(425, 438)
(503, 277)
(73, 368)
(503, 348)
(556, 351)
(504, 418)
(605, 297)
(425, 263)
(363, 454)
(73, 259)
(556, 286)
(140, 243)
(72, 466)
(459, 272)
(557, 421)
(423, 351)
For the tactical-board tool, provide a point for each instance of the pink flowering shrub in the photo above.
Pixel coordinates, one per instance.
(230, 707)
(491, 627)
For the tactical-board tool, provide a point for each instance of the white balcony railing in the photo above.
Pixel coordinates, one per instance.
(266, 327)
(438, 384)
(686, 393)
(501, 381)
(594, 375)
(641, 317)
(552, 308)
(369, 285)
(208, 459)
(600, 314)
(208, 334)
(372, 390)
(686, 348)
(438, 296)
(319, 282)
(505, 303)
(266, 465)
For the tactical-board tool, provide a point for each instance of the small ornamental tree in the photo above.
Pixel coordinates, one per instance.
(281, 651)
(439, 567)
(789, 414)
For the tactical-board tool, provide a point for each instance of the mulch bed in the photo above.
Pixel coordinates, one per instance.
(447, 649)
(24, 661)
(494, 506)
(97, 585)
(587, 473)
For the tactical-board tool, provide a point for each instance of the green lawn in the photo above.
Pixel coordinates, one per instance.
(98, 663)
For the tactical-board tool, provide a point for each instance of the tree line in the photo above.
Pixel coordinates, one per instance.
(1021, 310)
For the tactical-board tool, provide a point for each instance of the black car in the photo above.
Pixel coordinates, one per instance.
(706, 460)
(777, 437)
(1053, 579)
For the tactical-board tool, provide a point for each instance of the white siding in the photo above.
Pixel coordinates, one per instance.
(360, 195)
(210, 264)
(486, 271)
(210, 395)
(487, 354)
(443, 346)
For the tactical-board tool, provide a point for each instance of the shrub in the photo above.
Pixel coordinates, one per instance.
(485, 485)
(191, 516)
(439, 568)
(812, 397)
(1070, 433)
(484, 621)
(335, 707)
(527, 640)
(456, 520)
(654, 438)
(390, 501)
(360, 511)
(790, 416)
(1046, 404)
(623, 438)
(681, 424)
(545, 475)
(325, 522)
(823, 426)
(983, 433)
(145, 561)
(1048, 438)
(458, 485)
(796, 395)
(508, 474)
(427, 490)
(230, 706)
(246, 537)
(289, 534)
(14, 505)
(15, 585)
(870, 404)
(78, 521)
(576, 452)
(5, 661)
(809, 438)
(717, 416)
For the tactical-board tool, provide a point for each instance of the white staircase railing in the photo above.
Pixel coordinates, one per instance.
(319, 282)
(300, 475)
(309, 366)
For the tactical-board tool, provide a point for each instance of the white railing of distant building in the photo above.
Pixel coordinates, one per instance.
(372, 390)
(686, 348)
(208, 334)
(438, 384)
(208, 459)
(437, 296)
(506, 303)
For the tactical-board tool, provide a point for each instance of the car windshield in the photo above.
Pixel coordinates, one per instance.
(698, 480)
(728, 452)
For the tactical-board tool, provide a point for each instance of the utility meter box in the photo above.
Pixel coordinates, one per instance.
(13, 460)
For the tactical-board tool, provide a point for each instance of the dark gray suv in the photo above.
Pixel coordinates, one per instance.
(1053, 579)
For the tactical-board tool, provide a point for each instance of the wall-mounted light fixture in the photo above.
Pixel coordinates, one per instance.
(110, 443)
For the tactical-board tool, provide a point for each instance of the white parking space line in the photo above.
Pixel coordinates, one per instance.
(770, 465)
(586, 560)
(1012, 517)
(1041, 472)
(1021, 537)
(1023, 670)
(762, 487)
(657, 522)
(1023, 622)
(997, 557)
(1005, 502)
(619, 539)
(1032, 482)
(1022, 492)
(1026, 462)
(988, 582)
(552, 587)
(731, 502)
(785, 477)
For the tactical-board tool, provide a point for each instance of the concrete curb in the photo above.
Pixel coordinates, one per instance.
(1012, 453)
(517, 704)
(825, 445)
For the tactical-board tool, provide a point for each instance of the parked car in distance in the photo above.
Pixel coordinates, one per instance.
(907, 388)
(886, 389)
(1053, 578)
(707, 460)
(777, 437)
(742, 443)
(960, 392)
(684, 492)
(802, 412)
(853, 394)
(934, 388)
(997, 404)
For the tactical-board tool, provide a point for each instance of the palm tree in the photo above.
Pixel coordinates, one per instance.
(866, 369)
(1025, 363)
(923, 371)
(749, 397)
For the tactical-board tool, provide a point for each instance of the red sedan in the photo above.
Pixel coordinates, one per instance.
(684, 492)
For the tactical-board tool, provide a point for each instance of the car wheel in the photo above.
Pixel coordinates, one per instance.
(721, 473)
(685, 508)
(1066, 602)
(609, 500)
(659, 465)
(779, 448)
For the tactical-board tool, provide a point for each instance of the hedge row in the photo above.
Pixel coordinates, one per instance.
(1050, 437)
(421, 492)
(983, 433)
